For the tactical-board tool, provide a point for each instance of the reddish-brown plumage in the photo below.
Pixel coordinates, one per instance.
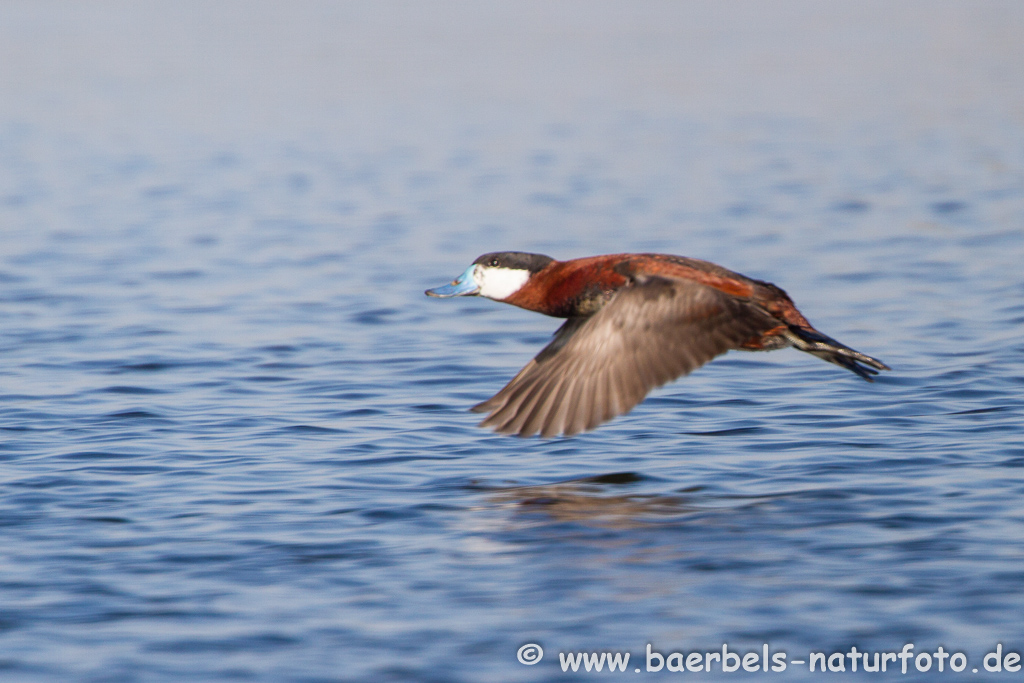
(635, 321)
(682, 268)
(559, 289)
(567, 288)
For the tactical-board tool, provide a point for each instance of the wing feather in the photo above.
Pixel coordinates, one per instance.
(602, 366)
(557, 420)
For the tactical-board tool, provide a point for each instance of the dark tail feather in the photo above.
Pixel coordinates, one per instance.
(826, 348)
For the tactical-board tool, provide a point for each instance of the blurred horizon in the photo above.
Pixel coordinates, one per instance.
(122, 70)
(235, 433)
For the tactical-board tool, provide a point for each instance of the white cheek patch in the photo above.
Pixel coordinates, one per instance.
(500, 283)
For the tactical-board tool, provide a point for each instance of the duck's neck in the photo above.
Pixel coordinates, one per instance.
(566, 289)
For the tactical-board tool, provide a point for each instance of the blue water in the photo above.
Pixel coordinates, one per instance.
(234, 438)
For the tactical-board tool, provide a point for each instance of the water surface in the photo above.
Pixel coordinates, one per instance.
(234, 433)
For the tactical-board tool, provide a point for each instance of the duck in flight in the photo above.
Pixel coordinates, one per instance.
(633, 323)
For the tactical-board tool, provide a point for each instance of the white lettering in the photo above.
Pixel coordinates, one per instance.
(570, 660)
(650, 656)
(595, 661)
(591, 661)
(618, 661)
(906, 654)
(998, 656)
(852, 654)
(726, 665)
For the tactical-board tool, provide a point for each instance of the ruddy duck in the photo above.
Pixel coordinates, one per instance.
(635, 322)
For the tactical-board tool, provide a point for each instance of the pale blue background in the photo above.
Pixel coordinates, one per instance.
(233, 433)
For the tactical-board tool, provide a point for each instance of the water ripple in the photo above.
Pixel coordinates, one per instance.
(236, 438)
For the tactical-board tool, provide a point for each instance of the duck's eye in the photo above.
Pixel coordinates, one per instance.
(494, 262)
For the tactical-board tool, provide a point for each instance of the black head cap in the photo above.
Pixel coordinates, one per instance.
(516, 260)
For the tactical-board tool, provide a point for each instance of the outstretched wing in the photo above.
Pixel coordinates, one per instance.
(599, 367)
